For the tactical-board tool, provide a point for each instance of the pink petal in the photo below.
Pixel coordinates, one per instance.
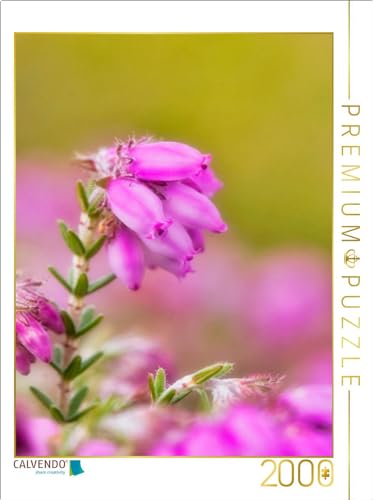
(165, 161)
(23, 360)
(33, 337)
(137, 207)
(175, 244)
(192, 209)
(126, 258)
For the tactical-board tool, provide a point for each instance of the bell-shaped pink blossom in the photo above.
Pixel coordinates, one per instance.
(179, 267)
(50, 316)
(24, 358)
(126, 258)
(205, 181)
(32, 335)
(137, 206)
(192, 209)
(165, 161)
(175, 244)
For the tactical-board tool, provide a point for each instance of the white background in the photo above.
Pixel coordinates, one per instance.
(219, 478)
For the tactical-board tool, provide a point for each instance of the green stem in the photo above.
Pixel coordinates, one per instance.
(80, 265)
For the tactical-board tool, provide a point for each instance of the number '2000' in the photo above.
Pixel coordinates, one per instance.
(285, 472)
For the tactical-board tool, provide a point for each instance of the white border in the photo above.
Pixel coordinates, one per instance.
(210, 479)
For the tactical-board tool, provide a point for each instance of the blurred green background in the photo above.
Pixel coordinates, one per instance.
(260, 103)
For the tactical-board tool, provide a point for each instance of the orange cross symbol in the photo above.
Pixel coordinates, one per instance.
(325, 473)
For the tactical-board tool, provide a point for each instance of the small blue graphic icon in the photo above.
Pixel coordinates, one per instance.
(75, 468)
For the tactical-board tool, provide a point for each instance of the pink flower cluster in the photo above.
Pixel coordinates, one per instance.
(34, 316)
(158, 196)
(298, 424)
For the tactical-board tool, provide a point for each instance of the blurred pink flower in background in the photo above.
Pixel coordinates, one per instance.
(131, 358)
(96, 448)
(240, 431)
(35, 436)
(289, 297)
(299, 424)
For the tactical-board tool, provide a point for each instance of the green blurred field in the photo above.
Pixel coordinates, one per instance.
(260, 103)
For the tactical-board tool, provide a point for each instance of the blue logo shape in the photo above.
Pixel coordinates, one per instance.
(75, 468)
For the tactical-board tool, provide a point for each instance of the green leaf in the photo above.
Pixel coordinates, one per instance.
(151, 387)
(70, 277)
(95, 247)
(167, 396)
(227, 367)
(73, 369)
(89, 326)
(82, 196)
(90, 361)
(205, 401)
(81, 287)
(78, 416)
(159, 382)
(94, 206)
(86, 316)
(71, 239)
(59, 278)
(43, 398)
(57, 414)
(55, 367)
(201, 376)
(77, 400)
(182, 394)
(57, 355)
(101, 282)
(69, 323)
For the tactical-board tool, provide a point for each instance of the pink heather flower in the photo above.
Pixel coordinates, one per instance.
(97, 448)
(175, 244)
(161, 192)
(126, 258)
(178, 267)
(240, 431)
(165, 161)
(30, 299)
(33, 337)
(34, 315)
(306, 416)
(309, 403)
(137, 206)
(304, 440)
(191, 208)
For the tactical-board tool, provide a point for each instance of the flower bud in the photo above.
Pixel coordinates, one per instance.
(126, 258)
(137, 207)
(192, 208)
(175, 244)
(165, 161)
